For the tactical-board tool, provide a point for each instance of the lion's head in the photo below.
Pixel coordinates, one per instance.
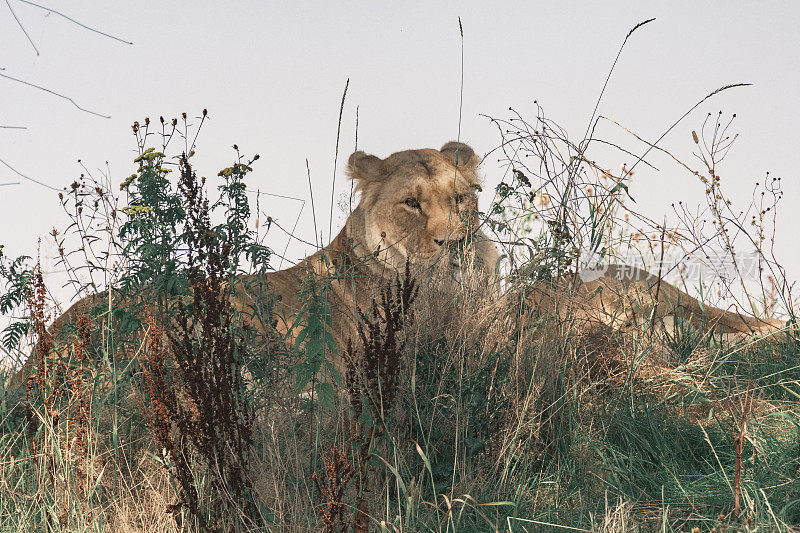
(417, 203)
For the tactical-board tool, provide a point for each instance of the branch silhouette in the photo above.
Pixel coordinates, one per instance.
(29, 84)
(19, 23)
(18, 173)
(82, 25)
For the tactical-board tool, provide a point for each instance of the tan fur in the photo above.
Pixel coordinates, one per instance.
(383, 232)
(378, 237)
(628, 298)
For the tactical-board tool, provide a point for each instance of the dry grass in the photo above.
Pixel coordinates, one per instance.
(498, 424)
(472, 403)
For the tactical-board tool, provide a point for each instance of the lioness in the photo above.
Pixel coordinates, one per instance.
(420, 205)
(629, 298)
(416, 205)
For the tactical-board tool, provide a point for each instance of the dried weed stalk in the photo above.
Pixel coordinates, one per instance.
(58, 415)
(333, 485)
(81, 401)
(372, 375)
(40, 392)
(198, 410)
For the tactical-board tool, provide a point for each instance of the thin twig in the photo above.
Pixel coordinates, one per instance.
(29, 84)
(277, 195)
(313, 209)
(84, 26)
(355, 149)
(271, 221)
(695, 106)
(660, 277)
(587, 137)
(291, 234)
(22, 27)
(461, 90)
(648, 143)
(18, 173)
(336, 158)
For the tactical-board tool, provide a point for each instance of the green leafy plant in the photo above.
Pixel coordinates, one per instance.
(198, 407)
(314, 342)
(15, 274)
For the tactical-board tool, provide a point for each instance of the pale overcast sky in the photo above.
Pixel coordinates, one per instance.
(271, 75)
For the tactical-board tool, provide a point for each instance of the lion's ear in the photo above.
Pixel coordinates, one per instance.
(460, 154)
(364, 167)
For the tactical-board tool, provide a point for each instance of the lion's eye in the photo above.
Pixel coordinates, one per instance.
(413, 203)
(460, 198)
